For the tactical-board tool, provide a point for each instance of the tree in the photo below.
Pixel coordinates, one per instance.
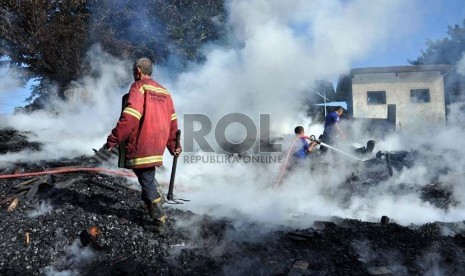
(46, 37)
(157, 29)
(448, 50)
(51, 37)
(444, 51)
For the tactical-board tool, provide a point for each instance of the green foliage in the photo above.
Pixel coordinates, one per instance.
(52, 37)
(45, 36)
(157, 29)
(444, 51)
(448, 50)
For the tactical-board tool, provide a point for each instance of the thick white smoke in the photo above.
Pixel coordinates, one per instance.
(10, 92)
(276, 51)
(74, 127)
(273, 63)
(281, 48)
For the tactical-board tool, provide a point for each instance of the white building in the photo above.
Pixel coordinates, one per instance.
(403, 95)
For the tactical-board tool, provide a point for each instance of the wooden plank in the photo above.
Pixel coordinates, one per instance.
(60, 186)
(8, 199)
(67, 182)
(33, 190)
(24, 183)
(46, 179)
(102, 155)
(30, 194)
(98, 159)
(13, 205)
(39, 181)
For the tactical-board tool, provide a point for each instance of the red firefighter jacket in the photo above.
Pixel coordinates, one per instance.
(147, 125)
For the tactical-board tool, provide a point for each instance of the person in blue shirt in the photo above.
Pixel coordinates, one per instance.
(332, 129)
(303, 148)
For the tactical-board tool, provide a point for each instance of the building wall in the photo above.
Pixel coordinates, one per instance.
(397, 87)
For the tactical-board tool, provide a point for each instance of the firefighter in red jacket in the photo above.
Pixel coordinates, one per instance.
(147, 125)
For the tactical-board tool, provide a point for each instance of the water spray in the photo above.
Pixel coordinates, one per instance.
(340, 151)
(312, 139)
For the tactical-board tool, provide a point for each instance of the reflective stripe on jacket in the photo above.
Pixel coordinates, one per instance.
(147, 125)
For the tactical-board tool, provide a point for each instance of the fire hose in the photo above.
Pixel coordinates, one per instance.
(278, 182)
(69, 170)
(84, 169)
(98, 170)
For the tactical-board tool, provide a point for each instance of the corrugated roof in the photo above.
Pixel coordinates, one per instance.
(397, 69)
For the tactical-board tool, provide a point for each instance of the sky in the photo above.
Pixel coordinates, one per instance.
(429, 22)
(12, 92)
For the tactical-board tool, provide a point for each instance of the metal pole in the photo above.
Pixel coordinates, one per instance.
(324, 90)
(324, 98)
(173, 168)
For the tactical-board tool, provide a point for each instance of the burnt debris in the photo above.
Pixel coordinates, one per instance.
(91, 223)
(13, 141)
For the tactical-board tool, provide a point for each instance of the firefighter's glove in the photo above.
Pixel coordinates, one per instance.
(172, 148)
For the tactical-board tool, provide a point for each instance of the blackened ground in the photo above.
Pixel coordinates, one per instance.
(13, 141)
(198, 244)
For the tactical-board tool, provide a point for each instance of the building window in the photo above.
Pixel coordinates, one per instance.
(376, 97)
(419, 95)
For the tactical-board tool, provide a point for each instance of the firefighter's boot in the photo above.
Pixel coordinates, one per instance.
(161, 195)
(156, 213)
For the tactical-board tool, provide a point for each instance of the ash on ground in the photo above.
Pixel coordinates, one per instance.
(93, 224)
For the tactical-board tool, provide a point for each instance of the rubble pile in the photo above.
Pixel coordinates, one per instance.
(92, 223)
(13, 141)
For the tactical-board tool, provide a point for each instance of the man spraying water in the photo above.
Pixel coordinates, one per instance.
(332, 129)
(303, 149)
